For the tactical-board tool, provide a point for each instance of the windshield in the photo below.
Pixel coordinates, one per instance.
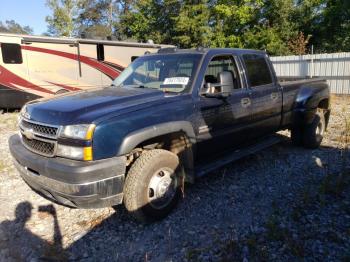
(170, 73)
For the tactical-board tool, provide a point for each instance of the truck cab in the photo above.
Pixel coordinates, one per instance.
(168, 118)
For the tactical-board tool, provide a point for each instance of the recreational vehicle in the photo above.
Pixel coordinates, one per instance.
(35, 66)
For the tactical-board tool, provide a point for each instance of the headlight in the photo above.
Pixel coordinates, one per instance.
(81, 132)
(72, 152)
(84, 132)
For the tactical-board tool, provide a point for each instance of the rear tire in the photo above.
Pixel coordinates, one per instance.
(296, 135)
(313, 132)
(152, 187)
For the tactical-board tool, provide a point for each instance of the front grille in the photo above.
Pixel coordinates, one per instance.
(43, 130)
(39, 138)
(39, 146)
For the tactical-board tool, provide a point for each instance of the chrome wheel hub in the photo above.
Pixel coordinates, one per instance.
(162, 188)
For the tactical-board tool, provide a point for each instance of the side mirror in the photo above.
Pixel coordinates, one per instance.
(226, 82)
(225, 85)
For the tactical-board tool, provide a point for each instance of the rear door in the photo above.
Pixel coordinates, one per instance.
(265, 95)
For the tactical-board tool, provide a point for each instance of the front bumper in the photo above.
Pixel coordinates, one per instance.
(72, 183)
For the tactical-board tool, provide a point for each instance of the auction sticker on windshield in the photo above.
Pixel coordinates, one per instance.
(176, 81)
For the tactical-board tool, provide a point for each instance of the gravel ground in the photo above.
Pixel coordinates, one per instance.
(281, 204)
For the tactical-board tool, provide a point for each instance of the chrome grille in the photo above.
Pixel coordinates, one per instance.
(39, 138)
(44, 130)
(39, 146)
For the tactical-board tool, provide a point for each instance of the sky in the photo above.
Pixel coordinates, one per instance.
(25, 12)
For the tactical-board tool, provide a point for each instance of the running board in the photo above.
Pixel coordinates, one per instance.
(238, 154)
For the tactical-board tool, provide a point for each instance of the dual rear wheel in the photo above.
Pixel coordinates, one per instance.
(310, 135)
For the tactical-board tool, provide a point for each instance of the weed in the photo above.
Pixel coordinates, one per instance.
(326, 185)
(252, 242)
(295, 246)
(274, 231)
(231, 251)
(193, 254)
(297, 213)
(306, 196)
(2, 165)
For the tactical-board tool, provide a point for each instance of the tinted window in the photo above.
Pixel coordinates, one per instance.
(258, 71)
(11, 53)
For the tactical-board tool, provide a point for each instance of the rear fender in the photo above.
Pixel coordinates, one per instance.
(307, 101)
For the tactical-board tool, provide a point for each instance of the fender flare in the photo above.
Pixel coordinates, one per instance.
(306, 103)
(135, 138)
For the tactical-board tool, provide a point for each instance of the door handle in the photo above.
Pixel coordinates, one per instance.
(245, 102)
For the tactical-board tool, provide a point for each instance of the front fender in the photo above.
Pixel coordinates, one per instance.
(135, 138)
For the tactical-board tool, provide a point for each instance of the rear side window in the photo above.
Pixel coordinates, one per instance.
(258, 71)
(11, 53)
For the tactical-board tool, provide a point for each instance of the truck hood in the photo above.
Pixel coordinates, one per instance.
(90, 106)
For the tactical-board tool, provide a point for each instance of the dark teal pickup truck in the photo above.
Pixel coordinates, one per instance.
(167, 119)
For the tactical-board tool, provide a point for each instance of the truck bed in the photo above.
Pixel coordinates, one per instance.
(288, 80)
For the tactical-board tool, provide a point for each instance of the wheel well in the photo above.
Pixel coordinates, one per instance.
(177, 143)
(324, 104)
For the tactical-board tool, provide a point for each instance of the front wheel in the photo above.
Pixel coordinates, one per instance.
(152, 187)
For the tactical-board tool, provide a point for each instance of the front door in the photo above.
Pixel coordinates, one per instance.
(221, 120)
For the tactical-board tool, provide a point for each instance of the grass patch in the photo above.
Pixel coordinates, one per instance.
(9, 121)
(2, 166)
(194, 254)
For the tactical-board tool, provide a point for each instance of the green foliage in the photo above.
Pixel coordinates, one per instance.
(10, 26)
(61, 23)
(96, 18)
(281, 27)
(191, 25)
(333, 30)
(266, 38)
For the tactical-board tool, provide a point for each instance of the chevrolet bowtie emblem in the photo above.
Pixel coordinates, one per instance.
(29, 133)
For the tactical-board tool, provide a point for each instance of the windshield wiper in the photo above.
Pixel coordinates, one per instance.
(135, 86)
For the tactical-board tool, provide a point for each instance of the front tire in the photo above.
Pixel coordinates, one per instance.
(152, 187)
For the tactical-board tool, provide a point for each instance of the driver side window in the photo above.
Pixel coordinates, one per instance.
(217, 65)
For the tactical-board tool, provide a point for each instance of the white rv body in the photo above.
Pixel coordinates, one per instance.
(35, 66)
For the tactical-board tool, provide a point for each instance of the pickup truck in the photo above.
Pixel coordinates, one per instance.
(169, 118)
